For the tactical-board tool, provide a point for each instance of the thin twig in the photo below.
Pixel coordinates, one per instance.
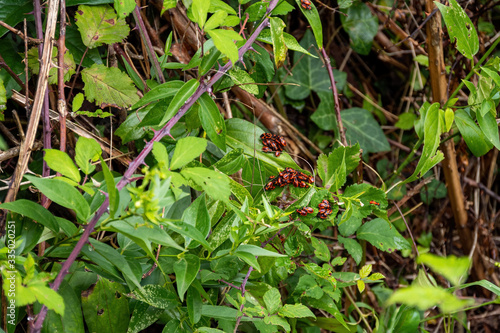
(20, 34)
(61, 104)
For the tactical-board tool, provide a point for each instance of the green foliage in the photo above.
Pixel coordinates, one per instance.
(460, 28)
(200, 214)
(69, 65)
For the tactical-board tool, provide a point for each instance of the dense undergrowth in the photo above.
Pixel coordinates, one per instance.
(159, 203)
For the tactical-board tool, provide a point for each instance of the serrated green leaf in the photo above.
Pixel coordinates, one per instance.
(380, 234)
(100, 25)
(108, 86)
(223, 41)
(295, 311)
(460, 28)
(61, 162)
(124, 7)
(199, 9)
(272, 299)
(365, 271)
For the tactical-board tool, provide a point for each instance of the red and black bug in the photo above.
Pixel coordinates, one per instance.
(306, 4)
(272, 143)
(309, 210)
(374, 203)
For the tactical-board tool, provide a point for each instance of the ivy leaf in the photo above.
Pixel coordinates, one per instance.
(362, 127)
(100, 25)
(460, 28)
(108, 86)
(314, 20)
(361, 25)
(223, 41)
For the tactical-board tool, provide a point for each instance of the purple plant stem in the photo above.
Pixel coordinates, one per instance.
(149, 45)
(45, 109)
(139, 160)
(335, 96)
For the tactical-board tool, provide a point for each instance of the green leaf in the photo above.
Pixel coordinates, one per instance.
(143, 316)
(257, 251)
(189, 232)
(108, 86)
(63, 194)
(279, 46)
(352, 247)
(406, 121)
(242, 79)
(381, 235)
(77, 102)
(163, 91)
(182, 95)
(194, 304)
(256, 11)
(199, 9)
(113, 195)
(216, 5)
(365, 271)
(472, 134)
(168, 4)
(186, 269)
(424, 298)
(452, 268)
(290, 41)
(214, 183)
(223, 41)
(124, 7)
(487, 122)
(100, 25)
(157, 296)
(249, 259)
(87, 151)
(197, 215)
(60, 162)
(231, 163)
(460, 28)
(105, 307)
(272, 299)
(143, 235)
(33, 211)
(362, 127)
(309, 74)
(222, 312)
(314, 20)
(160, 153)
(186, 150)
(321, 250)
(361, 25)
(69, 65)
(245, 135)
(14, 11)
(295, 311)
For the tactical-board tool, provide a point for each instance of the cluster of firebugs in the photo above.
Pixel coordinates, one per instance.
(306, 4)
(276, 143)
